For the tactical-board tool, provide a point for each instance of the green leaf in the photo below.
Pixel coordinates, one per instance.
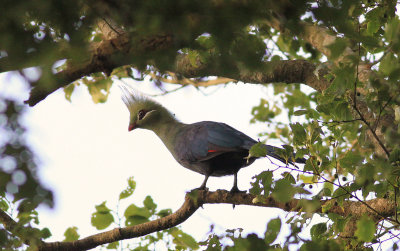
(101, 220)
(337, 48)
(283, 191)
(300, 112)
(264, 112)
(275, 58)
(318, 245)
(381, 189)
(395, 154)
(113, 245)
(388, 64)
(366, 174)
(392, 29)
(273, 229)
(289, 177)
(135, 210)
(135, 220)
(373, 20)
(125, 193)
(263, 183)
(129, 190)
(365, 229)
(344, 80)
(307, 178)
(164, 212)
(328, 189)
(373, 26)
(342, 111)
(45, 233)
(193, 57)
(299, 134)
(71, 234)
(131, 183)
(350, 160)
(325, 108)
(182, 239)
(136, 215)
(338, 222)
(318, 230)
(258, 150)
(102, 208)
(340, 194)
(149, 204)
(99, 88)
(315, 132)
(3, 205)
(68, 91)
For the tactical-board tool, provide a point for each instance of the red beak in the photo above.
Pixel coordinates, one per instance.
(131, 126)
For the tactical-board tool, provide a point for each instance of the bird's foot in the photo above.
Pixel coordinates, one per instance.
(236, 190)
(203, 188)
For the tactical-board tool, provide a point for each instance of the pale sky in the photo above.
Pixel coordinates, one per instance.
(87, 154)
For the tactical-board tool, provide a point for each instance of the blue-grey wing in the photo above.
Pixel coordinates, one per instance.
(223, 135)
(204, 140)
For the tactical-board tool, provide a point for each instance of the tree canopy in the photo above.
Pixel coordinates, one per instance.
(347, 127)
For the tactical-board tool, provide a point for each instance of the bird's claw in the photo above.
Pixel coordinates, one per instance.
(236, 190)
(202, 189)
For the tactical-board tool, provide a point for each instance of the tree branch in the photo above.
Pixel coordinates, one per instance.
(7, 221)
(25, 233)
(198, 198)
(117, 49)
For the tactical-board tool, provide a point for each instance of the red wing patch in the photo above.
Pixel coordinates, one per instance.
(212, 151)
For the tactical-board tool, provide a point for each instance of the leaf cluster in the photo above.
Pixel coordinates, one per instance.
(21, 192)
(103, 218)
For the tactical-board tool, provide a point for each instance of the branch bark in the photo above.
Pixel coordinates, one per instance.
(117, 49)
(198, 198)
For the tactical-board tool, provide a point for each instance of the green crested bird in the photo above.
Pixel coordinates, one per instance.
(207, 147)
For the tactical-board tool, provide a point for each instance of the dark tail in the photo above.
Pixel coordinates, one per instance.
(283, 155)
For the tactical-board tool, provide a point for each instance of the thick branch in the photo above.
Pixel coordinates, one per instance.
(283, 71)
(118, 49)
(320, 38)
(25, 233)
(195, 200)
(104, 56)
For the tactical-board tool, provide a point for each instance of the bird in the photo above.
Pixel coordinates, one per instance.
(207, 147)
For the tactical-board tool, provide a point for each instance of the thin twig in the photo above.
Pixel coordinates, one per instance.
(358, 111)
(380, 113)
(395, 202)
(338, 122)
(346, 191)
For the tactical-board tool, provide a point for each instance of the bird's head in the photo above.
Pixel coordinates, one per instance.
(144, 112)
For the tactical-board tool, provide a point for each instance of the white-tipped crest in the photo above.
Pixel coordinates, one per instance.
(130, 96)
(144, 112)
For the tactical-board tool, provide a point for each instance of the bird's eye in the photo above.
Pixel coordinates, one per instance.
(141, 114)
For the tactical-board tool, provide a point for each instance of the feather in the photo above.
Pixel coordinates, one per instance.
(130, 96)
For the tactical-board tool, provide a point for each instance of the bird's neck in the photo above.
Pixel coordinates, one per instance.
(168, 131)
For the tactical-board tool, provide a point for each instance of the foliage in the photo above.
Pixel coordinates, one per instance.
(20, 190)
(346, 125)
(103, 218)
